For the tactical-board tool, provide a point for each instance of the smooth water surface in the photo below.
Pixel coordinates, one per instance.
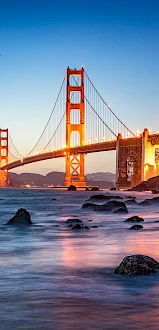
(53, 277)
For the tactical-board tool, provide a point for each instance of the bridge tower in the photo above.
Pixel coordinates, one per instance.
(3, 157)
(74, 162)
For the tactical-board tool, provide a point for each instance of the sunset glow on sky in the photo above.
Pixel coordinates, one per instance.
(115, 41)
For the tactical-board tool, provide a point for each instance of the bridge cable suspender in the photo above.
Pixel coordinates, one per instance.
(97, 113)
(14, 147)
(60, 120)
(108, 106)
(49, 116)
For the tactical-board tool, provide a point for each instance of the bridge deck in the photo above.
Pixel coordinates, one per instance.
(90, 148)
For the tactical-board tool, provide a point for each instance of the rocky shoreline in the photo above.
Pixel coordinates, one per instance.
(151, 184)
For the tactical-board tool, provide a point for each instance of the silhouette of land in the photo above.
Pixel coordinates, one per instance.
(57, 178)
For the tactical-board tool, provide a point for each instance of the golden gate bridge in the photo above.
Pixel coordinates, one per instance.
(81, 122)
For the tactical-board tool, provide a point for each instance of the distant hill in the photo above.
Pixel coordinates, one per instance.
(52, 178)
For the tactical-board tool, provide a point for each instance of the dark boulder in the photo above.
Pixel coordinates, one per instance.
(87, 189)
(72, 221)
(133, 197)
(150, 184)
(146, 202)
(135, 218)
(100, 197)
(114, 203)
(131, 201)
(71, 187)
(80, 227)
(105, 197)
(54, 199)
(136, 227)
(137, 265)
(22, 217)
(77, 227)
(154, 191)
(102, 207)
(121, 210)
(154, 200)
(116, 197)
(88, 205)
(94, 227)
(94, 189)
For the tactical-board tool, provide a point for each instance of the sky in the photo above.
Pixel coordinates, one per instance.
(115, 41)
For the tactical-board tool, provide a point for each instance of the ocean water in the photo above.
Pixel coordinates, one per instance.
(53, 277)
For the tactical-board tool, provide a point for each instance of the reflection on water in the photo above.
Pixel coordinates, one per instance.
(55, 278)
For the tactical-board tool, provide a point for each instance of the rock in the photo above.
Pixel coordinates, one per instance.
(116, 197)
(22, 217)
(150, 184)
(136, 227)
(112, 204)
(109, 206)
(54, 199)
(121, 210)
(135, 218)
(73, 221)
(80, 227)
(94, 227)
(77, 227)
(102, 207)
(131, 201)
(94, 189)
(105, 197)
(87, 189)
(71, 187)
(113, 188)
(137, 265)
(154, 200)
(90, 220)
(155, 191)
(133, 197)
(144, 203)
(88, 205)
(100, 197)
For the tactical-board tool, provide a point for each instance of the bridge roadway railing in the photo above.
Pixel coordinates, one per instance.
(85, 149)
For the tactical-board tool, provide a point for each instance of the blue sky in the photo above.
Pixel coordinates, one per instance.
(116, 41)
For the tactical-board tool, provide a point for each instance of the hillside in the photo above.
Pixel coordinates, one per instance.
(52, 178)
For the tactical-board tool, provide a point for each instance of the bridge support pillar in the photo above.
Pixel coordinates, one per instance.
(150, 155)
(128, 161)
(4, 181)
(75, 162)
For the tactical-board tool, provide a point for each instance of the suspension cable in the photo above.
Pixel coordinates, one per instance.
(12, 155)
(61, 119)
(108, 105)
(14, 147)
(49, 117)
(96, 112)
(55, 131)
